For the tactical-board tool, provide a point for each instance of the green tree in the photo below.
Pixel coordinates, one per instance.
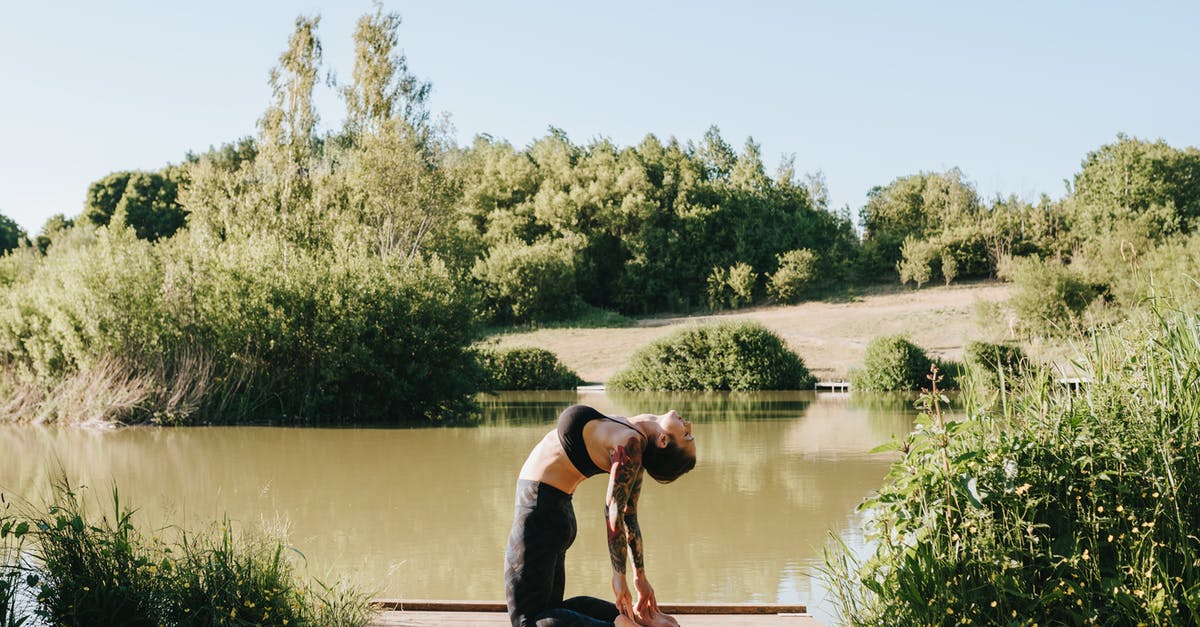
(716, 156)
(1133, 180)
(229, 156)
(523, 282)
(394, 191)
(383, 89)
(796, 274)
(916, 263)
(748, 172)
(148, 200)
(921, 206)
(54, 226)
(1049, 297)
(11, 234)
(891, 363)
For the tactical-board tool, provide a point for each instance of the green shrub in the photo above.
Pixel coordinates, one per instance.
(1059, 508)
(796, 275)
(252, 328)
(89, 570)
(1049, 297)
(917, 258)
(991, 363)
(526, 368)
(891, 363)
(731, 287)
(727, 356)
(523, 282)
(11, 234)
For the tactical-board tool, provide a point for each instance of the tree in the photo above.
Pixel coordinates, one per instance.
(148, 200)
(11, 234)
(748, 173)
(796, 274)
(1136, 181)
(290, 122)
(383, 88)
(717, 156)
(229, 156)
(287, 143)
(921, 205)
(397, 194)
(54, 226)
(916, 261)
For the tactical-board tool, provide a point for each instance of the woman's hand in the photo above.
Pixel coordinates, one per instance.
(647, 605)
(624, 600)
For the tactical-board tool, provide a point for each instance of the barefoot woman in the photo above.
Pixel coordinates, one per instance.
(588, 443)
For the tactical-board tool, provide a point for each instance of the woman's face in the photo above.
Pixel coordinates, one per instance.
(678, 429)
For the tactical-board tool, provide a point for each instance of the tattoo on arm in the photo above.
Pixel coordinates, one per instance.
(633, 531)
(624, 473)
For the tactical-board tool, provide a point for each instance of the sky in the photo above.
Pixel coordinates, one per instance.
(1015, 94)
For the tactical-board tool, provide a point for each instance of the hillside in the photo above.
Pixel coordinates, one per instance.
(830, 336)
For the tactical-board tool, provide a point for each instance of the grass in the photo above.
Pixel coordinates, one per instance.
(101, 570)
(830, 336)
(1046, 506)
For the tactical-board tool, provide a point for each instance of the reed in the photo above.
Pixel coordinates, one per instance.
(1049, 506)
(87, 570)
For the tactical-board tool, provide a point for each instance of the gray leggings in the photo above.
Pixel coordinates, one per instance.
(543, 529)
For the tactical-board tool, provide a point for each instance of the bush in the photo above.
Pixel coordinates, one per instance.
(525, 368)
(254, 328)
(916, 263)
(89, 571)
(891, 363)
(1065, 508)
(1049, 297)
(523, 283)
(796, 275)
(731, 288)
(728, 356)
(989, 362)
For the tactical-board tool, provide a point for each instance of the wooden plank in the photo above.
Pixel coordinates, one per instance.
(496, 619)
(726, 609)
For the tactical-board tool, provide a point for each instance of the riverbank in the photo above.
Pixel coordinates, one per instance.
(830, 336)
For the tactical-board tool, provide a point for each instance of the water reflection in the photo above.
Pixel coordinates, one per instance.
(424, 513)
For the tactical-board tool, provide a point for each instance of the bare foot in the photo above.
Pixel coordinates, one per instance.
(624, 621)
(659, 620)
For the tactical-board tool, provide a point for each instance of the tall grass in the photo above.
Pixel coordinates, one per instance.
(1048, 506)
(88, 570)
(12, 540)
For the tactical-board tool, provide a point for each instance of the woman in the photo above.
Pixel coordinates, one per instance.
(588, 443)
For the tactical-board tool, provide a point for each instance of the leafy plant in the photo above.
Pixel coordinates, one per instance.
(89, 571)
(797, 273)
(728, 356)
(1056, 507)
(527, 368)
(891, 363)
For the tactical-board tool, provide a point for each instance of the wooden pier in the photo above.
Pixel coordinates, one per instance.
(418, 613)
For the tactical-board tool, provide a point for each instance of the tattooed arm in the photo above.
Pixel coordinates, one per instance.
(646, 609)
(624, 474)
(633, 533)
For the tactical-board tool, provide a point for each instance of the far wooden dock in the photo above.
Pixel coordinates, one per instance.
(417, 613)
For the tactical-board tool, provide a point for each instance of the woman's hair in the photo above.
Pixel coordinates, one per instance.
(668, 463)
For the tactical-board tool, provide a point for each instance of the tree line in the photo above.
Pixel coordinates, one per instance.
(344, 272)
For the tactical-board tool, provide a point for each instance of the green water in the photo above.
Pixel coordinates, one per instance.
(424, 513)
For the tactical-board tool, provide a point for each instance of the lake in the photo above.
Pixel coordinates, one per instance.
(425, 512)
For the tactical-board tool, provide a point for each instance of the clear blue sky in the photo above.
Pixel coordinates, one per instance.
(1014, 93)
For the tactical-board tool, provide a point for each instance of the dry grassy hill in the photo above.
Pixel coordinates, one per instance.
(830, 336)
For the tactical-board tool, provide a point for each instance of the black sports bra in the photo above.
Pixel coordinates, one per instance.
(570, 435)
